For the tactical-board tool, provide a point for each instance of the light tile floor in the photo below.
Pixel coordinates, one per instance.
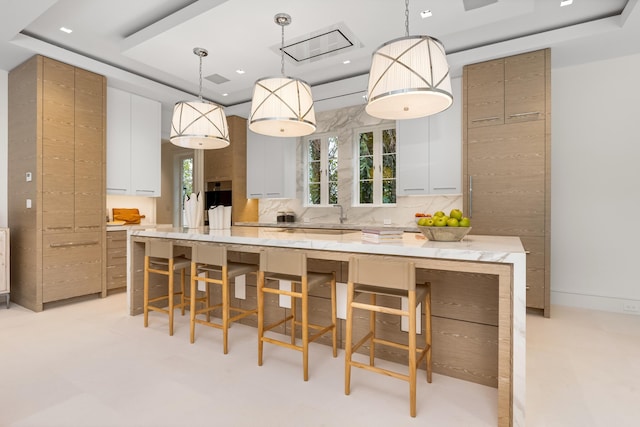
(90, 364)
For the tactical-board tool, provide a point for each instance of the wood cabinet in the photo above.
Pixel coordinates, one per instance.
(116, 259)
(57, 181)
(506, 90)
(230, 164)
(271, 167)
(429, 151)
(507, 157)
(133, 144)
(5, 279)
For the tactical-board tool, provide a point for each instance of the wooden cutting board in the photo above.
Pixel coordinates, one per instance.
(128, 215)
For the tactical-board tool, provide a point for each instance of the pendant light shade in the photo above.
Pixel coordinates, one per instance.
(199, 124)
(282, 106)
(409, 78)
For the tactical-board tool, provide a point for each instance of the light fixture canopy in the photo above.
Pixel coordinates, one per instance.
(199, 124)
(409, 78)
(282, 106)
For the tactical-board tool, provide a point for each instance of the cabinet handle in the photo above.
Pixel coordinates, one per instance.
(88, 226)
(485, 119)
(59, 228)
(145, 191)
(120, 276)
(273, 194)
(444, 188)
(121, 256)
(528, 287)
(70, 244)
(116, 189)
(254, 195)
(470, 196)
(529, 113)
(413, 189)
(527, 252)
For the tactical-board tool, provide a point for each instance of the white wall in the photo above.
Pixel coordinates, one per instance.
(595, 179)
(4, 136)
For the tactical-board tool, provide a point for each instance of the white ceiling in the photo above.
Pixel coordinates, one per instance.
(145, 46)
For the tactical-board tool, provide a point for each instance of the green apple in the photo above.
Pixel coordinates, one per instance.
(440, 221)
(464, 222)
(423, 221)
(452, 222)
(439, 213)
(430, 222)
(456, 213)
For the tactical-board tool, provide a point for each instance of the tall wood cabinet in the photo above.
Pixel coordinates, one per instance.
(507, 158)
(56, 182)
(230, 164)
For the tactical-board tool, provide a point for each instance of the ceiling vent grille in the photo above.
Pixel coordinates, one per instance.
(315, 46)
(217, 79)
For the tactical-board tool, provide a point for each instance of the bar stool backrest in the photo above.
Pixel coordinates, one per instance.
(289, 263)
(209, 254)
(159, 249)
(387, 273)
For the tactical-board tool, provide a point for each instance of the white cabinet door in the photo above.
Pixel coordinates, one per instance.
(118, 141)
(133, 144)
(271, 166)
(146, 142)
(412, 176)
(445, 146)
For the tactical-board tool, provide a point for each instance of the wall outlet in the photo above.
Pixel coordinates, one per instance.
(631, 307)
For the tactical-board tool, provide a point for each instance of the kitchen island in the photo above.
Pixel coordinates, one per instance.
(502, 258)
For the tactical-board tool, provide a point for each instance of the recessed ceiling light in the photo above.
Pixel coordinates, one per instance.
(240, 71)
(426, 14)
(346, 62)
(225, 94)
(66, 30)
(566, 3)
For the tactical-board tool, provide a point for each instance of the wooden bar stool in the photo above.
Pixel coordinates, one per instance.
(159, 259)
(288, 265)
(375, 277)
(212, 260)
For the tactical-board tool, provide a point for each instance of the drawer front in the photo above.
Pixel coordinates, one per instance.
(116, 276)
(72, 265)
(116, 239)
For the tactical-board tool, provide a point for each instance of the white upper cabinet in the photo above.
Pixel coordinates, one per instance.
(271, 167)
(430, 151)
(133, 144)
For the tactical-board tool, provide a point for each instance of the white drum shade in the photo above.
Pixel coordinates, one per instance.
(409, 78)
(199, 125)
(282, 106)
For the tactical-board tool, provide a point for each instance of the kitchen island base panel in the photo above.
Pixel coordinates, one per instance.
(501, 345)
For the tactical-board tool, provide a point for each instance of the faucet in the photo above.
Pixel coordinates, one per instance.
(342, 217)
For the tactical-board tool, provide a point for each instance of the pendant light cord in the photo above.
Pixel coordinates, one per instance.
(406, 17)
(282, 52)
(200, 88)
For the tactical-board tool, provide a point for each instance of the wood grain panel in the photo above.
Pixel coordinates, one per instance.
(484, 84)
(24, 145)
(506, 164)
(462, 296)
(535, 271)
(524, 87)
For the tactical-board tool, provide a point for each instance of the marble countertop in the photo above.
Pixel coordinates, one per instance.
(472, 247)
(322, 226)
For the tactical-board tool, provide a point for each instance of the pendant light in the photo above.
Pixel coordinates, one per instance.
(282, 106)
(199, 124)
(409, 78)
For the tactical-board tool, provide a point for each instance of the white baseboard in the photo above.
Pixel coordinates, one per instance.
(593, 302)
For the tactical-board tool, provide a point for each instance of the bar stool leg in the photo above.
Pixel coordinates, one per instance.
(294, 314)
(372, 329)
(225, 310)
(182, 290)
(171, 302)
(146, 292)
(260, 315)
(412, 352)
(348, 338)
(428, 330)
(305, 328)
(192, 308)
(334, 316)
